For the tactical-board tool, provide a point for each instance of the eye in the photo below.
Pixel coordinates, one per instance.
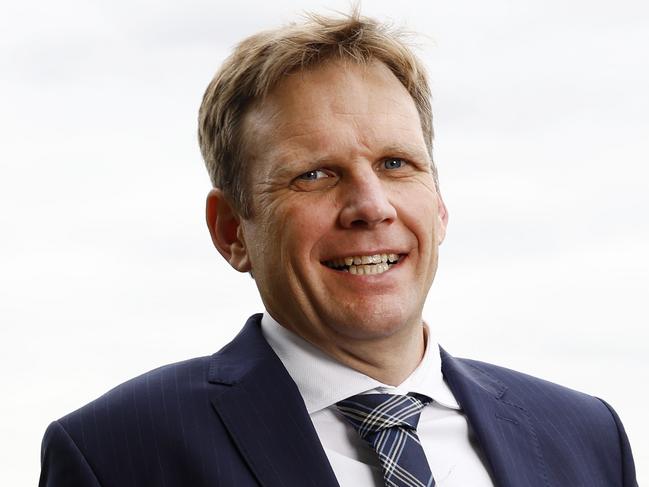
(393, 163)
(313, 175)
(315, 180)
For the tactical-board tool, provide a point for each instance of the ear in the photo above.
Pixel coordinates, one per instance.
(442, 216)
(224, 224)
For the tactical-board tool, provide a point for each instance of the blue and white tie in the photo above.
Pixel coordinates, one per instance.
(389, 424)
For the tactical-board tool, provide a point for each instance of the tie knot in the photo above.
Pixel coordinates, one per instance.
(370, 413)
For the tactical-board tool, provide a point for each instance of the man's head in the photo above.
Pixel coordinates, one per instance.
(344, 217)
(261, 61)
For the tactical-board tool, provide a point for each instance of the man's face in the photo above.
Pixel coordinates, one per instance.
(340, 173)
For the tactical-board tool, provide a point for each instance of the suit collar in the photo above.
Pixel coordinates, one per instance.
(323, 381)
(503, 427)
(246, 353)
(282, 448)
(279, 443)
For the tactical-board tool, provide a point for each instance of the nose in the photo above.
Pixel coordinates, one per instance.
(366, 202)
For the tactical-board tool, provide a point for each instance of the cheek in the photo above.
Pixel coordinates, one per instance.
(308, 219)
(417, 208)
(291, 238)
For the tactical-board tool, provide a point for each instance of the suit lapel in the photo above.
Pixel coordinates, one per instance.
(504, 429)
(264, 413)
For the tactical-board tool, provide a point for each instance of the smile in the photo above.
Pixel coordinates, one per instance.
(364, 265)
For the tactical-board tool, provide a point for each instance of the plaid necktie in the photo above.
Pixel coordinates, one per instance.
(389, 424)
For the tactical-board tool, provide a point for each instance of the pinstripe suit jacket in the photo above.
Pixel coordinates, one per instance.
(237, 419)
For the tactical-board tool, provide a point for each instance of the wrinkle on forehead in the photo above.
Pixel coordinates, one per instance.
(362, 83)
(336, 110)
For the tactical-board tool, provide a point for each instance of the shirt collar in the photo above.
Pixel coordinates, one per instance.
(322, 381)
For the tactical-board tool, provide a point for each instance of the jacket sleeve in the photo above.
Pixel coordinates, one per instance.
(62, 463)
(628, 467)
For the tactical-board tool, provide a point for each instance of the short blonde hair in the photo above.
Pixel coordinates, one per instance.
(260, 62)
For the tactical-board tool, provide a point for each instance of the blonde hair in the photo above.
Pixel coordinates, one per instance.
(260, 62)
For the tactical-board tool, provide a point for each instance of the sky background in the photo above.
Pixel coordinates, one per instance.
(106, 266)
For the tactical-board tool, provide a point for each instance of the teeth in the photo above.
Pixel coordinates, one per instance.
(364, 265)
(368, 269)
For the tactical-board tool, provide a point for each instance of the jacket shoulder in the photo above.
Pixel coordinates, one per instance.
(146, 431)
(534, 393)
(180, 379)
(157, 404)
(565, 420)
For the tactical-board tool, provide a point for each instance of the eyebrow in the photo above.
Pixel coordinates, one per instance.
(289, 166)
(407, 149)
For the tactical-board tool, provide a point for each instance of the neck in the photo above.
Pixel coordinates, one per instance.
(389, 360)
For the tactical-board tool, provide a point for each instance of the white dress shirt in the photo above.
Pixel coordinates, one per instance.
(449, 445)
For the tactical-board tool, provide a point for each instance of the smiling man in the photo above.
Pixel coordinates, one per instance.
(345, 216)
(318, 140)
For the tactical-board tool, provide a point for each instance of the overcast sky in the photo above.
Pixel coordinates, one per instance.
(106, 267)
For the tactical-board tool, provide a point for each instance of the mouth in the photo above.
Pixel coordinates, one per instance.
(364, 265)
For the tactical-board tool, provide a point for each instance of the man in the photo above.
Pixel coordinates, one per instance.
(318, 140)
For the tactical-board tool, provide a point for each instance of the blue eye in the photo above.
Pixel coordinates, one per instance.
(313, 175)
(393, 163)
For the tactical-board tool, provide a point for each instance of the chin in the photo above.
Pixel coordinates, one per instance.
(371, 324)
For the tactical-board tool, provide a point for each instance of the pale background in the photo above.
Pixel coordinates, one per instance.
(106, 267)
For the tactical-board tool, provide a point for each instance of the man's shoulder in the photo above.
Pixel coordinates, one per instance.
(173, 390)
(520, 381)
(158, 428)
(143, 394)
(540, 396)
(558, 421)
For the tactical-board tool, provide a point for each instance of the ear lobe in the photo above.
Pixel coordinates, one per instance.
(224, 225)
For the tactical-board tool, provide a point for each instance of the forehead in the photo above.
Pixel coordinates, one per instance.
(337, 99)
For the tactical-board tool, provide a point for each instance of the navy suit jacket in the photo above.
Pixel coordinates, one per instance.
(237, 419)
